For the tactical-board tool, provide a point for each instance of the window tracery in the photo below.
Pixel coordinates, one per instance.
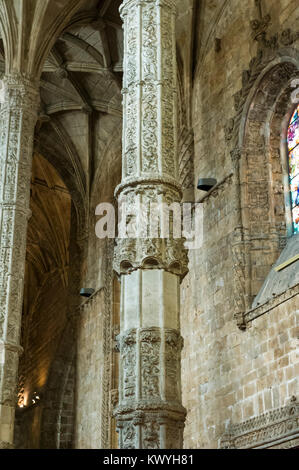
(293, 154)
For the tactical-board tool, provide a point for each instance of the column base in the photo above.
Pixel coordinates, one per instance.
(150, 426)
(6, 445)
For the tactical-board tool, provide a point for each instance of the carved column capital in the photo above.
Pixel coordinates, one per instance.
(128, 5)
(168, 254)
(20, 92)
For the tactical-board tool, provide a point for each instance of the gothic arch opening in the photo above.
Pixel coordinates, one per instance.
(264, 171)
(293, 168)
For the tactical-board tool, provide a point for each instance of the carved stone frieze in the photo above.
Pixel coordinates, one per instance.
(128, 355)
(252, 314)
(173, 346)
(156, 429)
(150, 384)
(150, 363)
(264, 56)
(107, 349)
(6, 445)
(275, 429)
(159, 351)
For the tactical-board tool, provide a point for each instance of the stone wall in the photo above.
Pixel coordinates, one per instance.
(229, 375)
(66, 417)
(234, 376)
(93, 374)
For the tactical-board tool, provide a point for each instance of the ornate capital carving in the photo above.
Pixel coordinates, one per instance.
(168, 254)
(20, 93)
(128, 6)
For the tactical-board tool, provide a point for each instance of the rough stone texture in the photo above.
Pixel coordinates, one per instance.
(90, 374)
(232, 375)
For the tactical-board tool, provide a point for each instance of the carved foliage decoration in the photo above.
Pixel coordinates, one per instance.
(151, 435)
(128, 435)
(150, 363)
(149, 88)
(173, 346)
(128, 355)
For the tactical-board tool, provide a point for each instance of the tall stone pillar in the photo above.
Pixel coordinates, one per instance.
(18, 114)
(150, 414)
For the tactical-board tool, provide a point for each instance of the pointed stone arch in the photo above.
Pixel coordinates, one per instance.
(257, 133)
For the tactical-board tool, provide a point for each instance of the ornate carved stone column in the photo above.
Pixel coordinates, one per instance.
(149, 414)
(18, 115)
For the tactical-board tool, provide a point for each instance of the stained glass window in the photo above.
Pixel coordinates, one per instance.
(293, 149)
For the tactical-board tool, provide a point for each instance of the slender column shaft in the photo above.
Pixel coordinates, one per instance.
(18, 116)
(150, 414)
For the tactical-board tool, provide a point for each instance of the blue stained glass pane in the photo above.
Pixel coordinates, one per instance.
(295, 116)
(293, 146)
